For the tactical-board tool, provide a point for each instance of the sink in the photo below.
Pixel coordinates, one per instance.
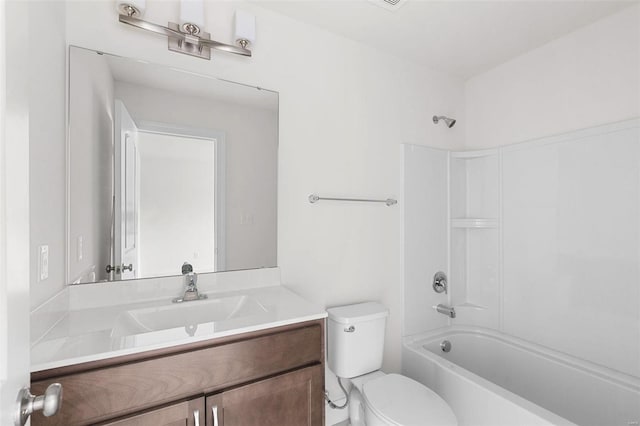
(187, 315)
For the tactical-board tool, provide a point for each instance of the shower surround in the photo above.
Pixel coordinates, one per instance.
(540, 240)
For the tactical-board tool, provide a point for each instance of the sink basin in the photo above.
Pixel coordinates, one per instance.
(187, 315)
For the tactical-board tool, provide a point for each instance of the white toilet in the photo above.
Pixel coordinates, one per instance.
(355, 347)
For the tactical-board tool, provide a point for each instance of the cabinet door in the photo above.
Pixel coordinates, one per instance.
(187, 413)
(291, 399)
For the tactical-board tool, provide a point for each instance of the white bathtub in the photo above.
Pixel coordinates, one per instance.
(489, 378)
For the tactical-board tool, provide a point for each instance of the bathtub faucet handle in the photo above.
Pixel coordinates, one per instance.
(440, 282)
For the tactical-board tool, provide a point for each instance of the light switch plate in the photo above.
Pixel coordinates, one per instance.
(80, 248)
(44, 262)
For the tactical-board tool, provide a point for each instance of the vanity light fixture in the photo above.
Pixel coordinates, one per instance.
(188, 38)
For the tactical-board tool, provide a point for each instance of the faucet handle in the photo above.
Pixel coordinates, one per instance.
(187, 268)
(440, 282)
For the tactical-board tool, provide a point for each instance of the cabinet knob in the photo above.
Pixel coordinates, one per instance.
(49, 403)
(196, 418)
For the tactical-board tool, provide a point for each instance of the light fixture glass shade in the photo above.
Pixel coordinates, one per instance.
(192, 12)
(245, 26)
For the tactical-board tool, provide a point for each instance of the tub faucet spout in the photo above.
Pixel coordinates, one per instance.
(446, 310)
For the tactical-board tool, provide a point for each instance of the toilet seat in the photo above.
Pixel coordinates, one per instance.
(401, 401)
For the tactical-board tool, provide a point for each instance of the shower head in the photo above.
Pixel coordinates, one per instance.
(450, 122)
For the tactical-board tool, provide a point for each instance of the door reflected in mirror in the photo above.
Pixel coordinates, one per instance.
(167, 167)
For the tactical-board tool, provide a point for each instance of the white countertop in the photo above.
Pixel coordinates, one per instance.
(88, 334)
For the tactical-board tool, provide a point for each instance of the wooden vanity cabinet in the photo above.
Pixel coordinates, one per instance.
(270, 377)
(287, 399)
(180, 414)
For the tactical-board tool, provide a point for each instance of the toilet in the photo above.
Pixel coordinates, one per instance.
(355, 347)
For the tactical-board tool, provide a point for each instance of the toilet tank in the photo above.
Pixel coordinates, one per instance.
(355, 338)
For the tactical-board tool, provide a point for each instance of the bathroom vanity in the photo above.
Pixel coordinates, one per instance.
(238, 348)
(263, 363)
(270, 377)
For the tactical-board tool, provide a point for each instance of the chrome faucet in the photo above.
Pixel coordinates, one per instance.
(191, 292)
(450, 312)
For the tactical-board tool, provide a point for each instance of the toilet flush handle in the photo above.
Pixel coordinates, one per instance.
(349, 329)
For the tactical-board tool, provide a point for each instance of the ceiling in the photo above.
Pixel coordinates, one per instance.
(464, 38)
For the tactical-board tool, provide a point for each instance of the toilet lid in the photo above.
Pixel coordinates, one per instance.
(400, 400)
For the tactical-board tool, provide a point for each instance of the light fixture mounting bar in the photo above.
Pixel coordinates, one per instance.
(189, 44)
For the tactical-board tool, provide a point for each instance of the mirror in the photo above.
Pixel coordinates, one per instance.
(166, 167)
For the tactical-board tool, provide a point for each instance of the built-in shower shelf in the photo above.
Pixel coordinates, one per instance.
(474, 223)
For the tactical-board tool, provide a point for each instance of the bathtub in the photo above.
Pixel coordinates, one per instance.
(489, 378)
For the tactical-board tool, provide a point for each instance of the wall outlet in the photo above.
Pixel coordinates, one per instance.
(44, 262)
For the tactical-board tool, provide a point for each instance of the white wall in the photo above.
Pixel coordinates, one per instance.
(251, 152)
(176, 193)
(91, 117)
(344, 108)
(586, 78)
(47, 133)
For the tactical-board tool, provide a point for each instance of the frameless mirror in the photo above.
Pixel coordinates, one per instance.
(167, 167)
